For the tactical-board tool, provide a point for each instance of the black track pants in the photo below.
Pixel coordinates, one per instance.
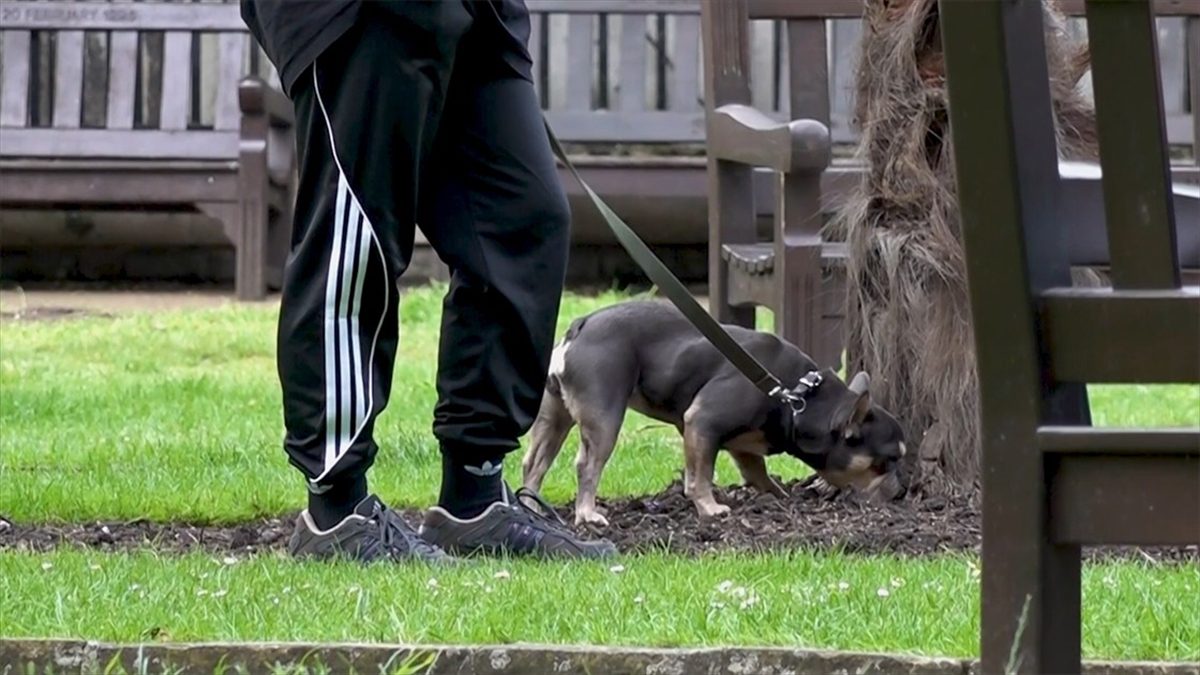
(413, 118)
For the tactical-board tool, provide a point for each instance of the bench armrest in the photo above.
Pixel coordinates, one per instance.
(268, 128)
(256, 97)
(743, 134)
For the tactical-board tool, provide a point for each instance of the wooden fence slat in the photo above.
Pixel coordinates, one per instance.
(14, 89)
(68, 79)
(683, 88)
(230, 50)
(632, 80)
(579, 62)
(176, 80)
(122, 79)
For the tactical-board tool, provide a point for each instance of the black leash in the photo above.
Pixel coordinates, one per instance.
(675, 291)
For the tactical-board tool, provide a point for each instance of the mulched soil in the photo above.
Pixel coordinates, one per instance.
(809, 519)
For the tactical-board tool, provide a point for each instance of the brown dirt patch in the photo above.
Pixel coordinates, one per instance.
(661, 522)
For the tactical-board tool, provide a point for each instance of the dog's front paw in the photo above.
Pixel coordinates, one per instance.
(590, 518)
(713, 510)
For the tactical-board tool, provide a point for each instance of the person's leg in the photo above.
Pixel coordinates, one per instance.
(496, 213)
(366, 113)
(499, 219)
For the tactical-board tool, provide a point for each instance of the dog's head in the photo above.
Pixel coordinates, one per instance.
(847, 439)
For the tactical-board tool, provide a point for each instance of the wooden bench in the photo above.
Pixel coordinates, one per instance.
(794, 271)
(239, 169)
(1051, 482)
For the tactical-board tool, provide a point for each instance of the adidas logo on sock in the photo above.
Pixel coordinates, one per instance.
(488, 469)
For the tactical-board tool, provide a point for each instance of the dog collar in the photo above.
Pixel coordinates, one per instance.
(795, 397)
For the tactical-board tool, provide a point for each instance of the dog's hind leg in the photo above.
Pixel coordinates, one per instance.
(547, 436)
(700, 454)
(753, 468)
(598, 432)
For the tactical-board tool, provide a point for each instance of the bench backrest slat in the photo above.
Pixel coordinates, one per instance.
(683, 87)
(579, 62)
(808, 68)
(537, 33)
(176, 94)
(632, 81)
(1133, 149)
(123, 15)
(842, 62)
(122, 78)
(1172, 40)
(1193, 51)
(14, 86)
(230, 50)
(68, 79)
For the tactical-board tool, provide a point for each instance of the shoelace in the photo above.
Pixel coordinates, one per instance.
(395, 537)
(543, 512)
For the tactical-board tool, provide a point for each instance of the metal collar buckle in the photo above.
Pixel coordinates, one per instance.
(795, 397)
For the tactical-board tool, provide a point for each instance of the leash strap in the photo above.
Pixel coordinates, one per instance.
(675, 290)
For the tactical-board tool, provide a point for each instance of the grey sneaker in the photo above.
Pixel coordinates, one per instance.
(512, 527)
(373, 532)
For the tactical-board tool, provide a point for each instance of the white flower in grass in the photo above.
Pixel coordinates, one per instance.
(220, 593)
(638, 600)
(883, 592)
(134, 587)
(353, 590)
(502, 574)
(843, 586)
(750, 601)
(973, 570)
(897, 582)
(724, 586)
(287, 589)
(617, 569)
(201, 593)
(47, 566)
(229, 560)
(432, 583)
(94, 567)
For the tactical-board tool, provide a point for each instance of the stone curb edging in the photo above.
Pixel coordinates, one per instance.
(76, 656)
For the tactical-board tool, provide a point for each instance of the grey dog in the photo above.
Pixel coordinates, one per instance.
(647, 356)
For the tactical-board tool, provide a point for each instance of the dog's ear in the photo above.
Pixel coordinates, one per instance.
(860, 387)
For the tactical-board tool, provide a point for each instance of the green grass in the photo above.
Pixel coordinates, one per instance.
(177, 416)
(831, 601)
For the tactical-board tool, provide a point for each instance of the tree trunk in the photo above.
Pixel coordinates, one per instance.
(908, 319)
